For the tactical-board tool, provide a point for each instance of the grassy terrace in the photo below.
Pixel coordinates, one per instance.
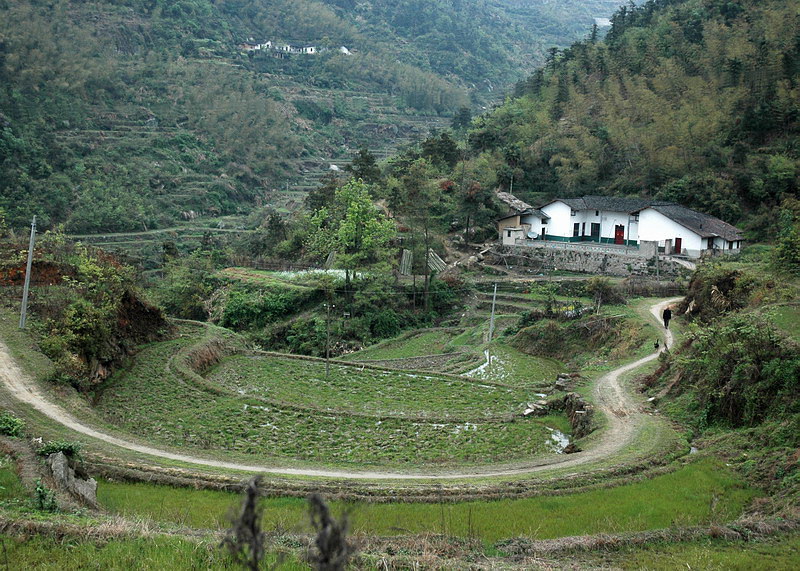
(703, 492)
(43, 552)
(385, 394)
(509, 365)
(275, 408)
(786, 318)
(436, 342)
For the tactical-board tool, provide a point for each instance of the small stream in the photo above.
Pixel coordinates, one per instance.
(558, 440)
(488, 360)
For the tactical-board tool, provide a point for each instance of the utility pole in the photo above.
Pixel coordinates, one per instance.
(491, 319)
(23, 312)
(491, 332)
(328, 339)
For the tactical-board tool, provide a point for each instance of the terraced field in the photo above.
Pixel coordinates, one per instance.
(382, 393)
(284, 408)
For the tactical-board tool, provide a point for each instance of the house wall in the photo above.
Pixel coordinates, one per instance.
(560, 224)
(531, 223)
(511, 235)
(608, 222)
(727, 246)
(657, 227)
(510, 222)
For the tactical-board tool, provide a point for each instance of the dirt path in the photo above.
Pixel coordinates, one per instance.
(610, 398)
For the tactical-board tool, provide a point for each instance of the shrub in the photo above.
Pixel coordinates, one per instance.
(332, 550)
(10, 425)
(45, 497)
(742, 372)
(385, 323)
(70, 449)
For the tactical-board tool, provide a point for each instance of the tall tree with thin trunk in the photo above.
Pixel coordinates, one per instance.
(354, 229)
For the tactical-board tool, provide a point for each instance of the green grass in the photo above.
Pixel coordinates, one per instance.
(423, 343)
(22, 346)
(363, 417)
(472, 337)
(700, 493)
(786, 318)
(513, 367)
(123, 554)
(11, 489)
(773, 554)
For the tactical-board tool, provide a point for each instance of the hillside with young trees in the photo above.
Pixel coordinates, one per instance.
(125, 116)
(694, 101)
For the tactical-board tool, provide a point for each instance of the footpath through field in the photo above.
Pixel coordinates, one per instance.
(624, 419)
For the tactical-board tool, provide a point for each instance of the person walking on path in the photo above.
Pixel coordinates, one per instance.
(667, 315)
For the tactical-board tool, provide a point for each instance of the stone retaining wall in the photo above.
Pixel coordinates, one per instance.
(608, 263)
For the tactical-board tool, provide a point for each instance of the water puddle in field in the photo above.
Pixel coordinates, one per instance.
(558, 440)
(465, 428)
(492, 367)
(480, 369)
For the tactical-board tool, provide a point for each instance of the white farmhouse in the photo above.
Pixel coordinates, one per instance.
(686, 231)
(624, 222)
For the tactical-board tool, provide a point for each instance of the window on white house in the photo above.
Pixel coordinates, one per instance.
(573, 213)
(597, 213)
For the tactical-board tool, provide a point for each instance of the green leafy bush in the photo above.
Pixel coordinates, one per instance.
(10, 425)
(70, 449)
(45, 497)
(246, 309)
(740, 373)
(385, 323)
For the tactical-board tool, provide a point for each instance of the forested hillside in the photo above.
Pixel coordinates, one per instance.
(123, 116)
(695, 101)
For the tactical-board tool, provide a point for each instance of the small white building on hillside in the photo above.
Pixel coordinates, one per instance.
(624, 222)
(522, 221)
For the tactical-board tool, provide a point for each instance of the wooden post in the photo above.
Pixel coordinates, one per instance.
(24, 310)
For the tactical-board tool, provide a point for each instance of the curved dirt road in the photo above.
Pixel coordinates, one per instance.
(609, 396)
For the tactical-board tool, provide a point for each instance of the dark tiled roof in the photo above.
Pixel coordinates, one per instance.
(705, 225)
(518, 206)
(612, 203)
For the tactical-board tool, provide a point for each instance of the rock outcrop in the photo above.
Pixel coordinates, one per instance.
(82, 489)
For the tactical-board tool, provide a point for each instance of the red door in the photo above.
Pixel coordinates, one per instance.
(677, 245)
(619, 234)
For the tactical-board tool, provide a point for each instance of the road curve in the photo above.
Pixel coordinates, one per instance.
(610, 398)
